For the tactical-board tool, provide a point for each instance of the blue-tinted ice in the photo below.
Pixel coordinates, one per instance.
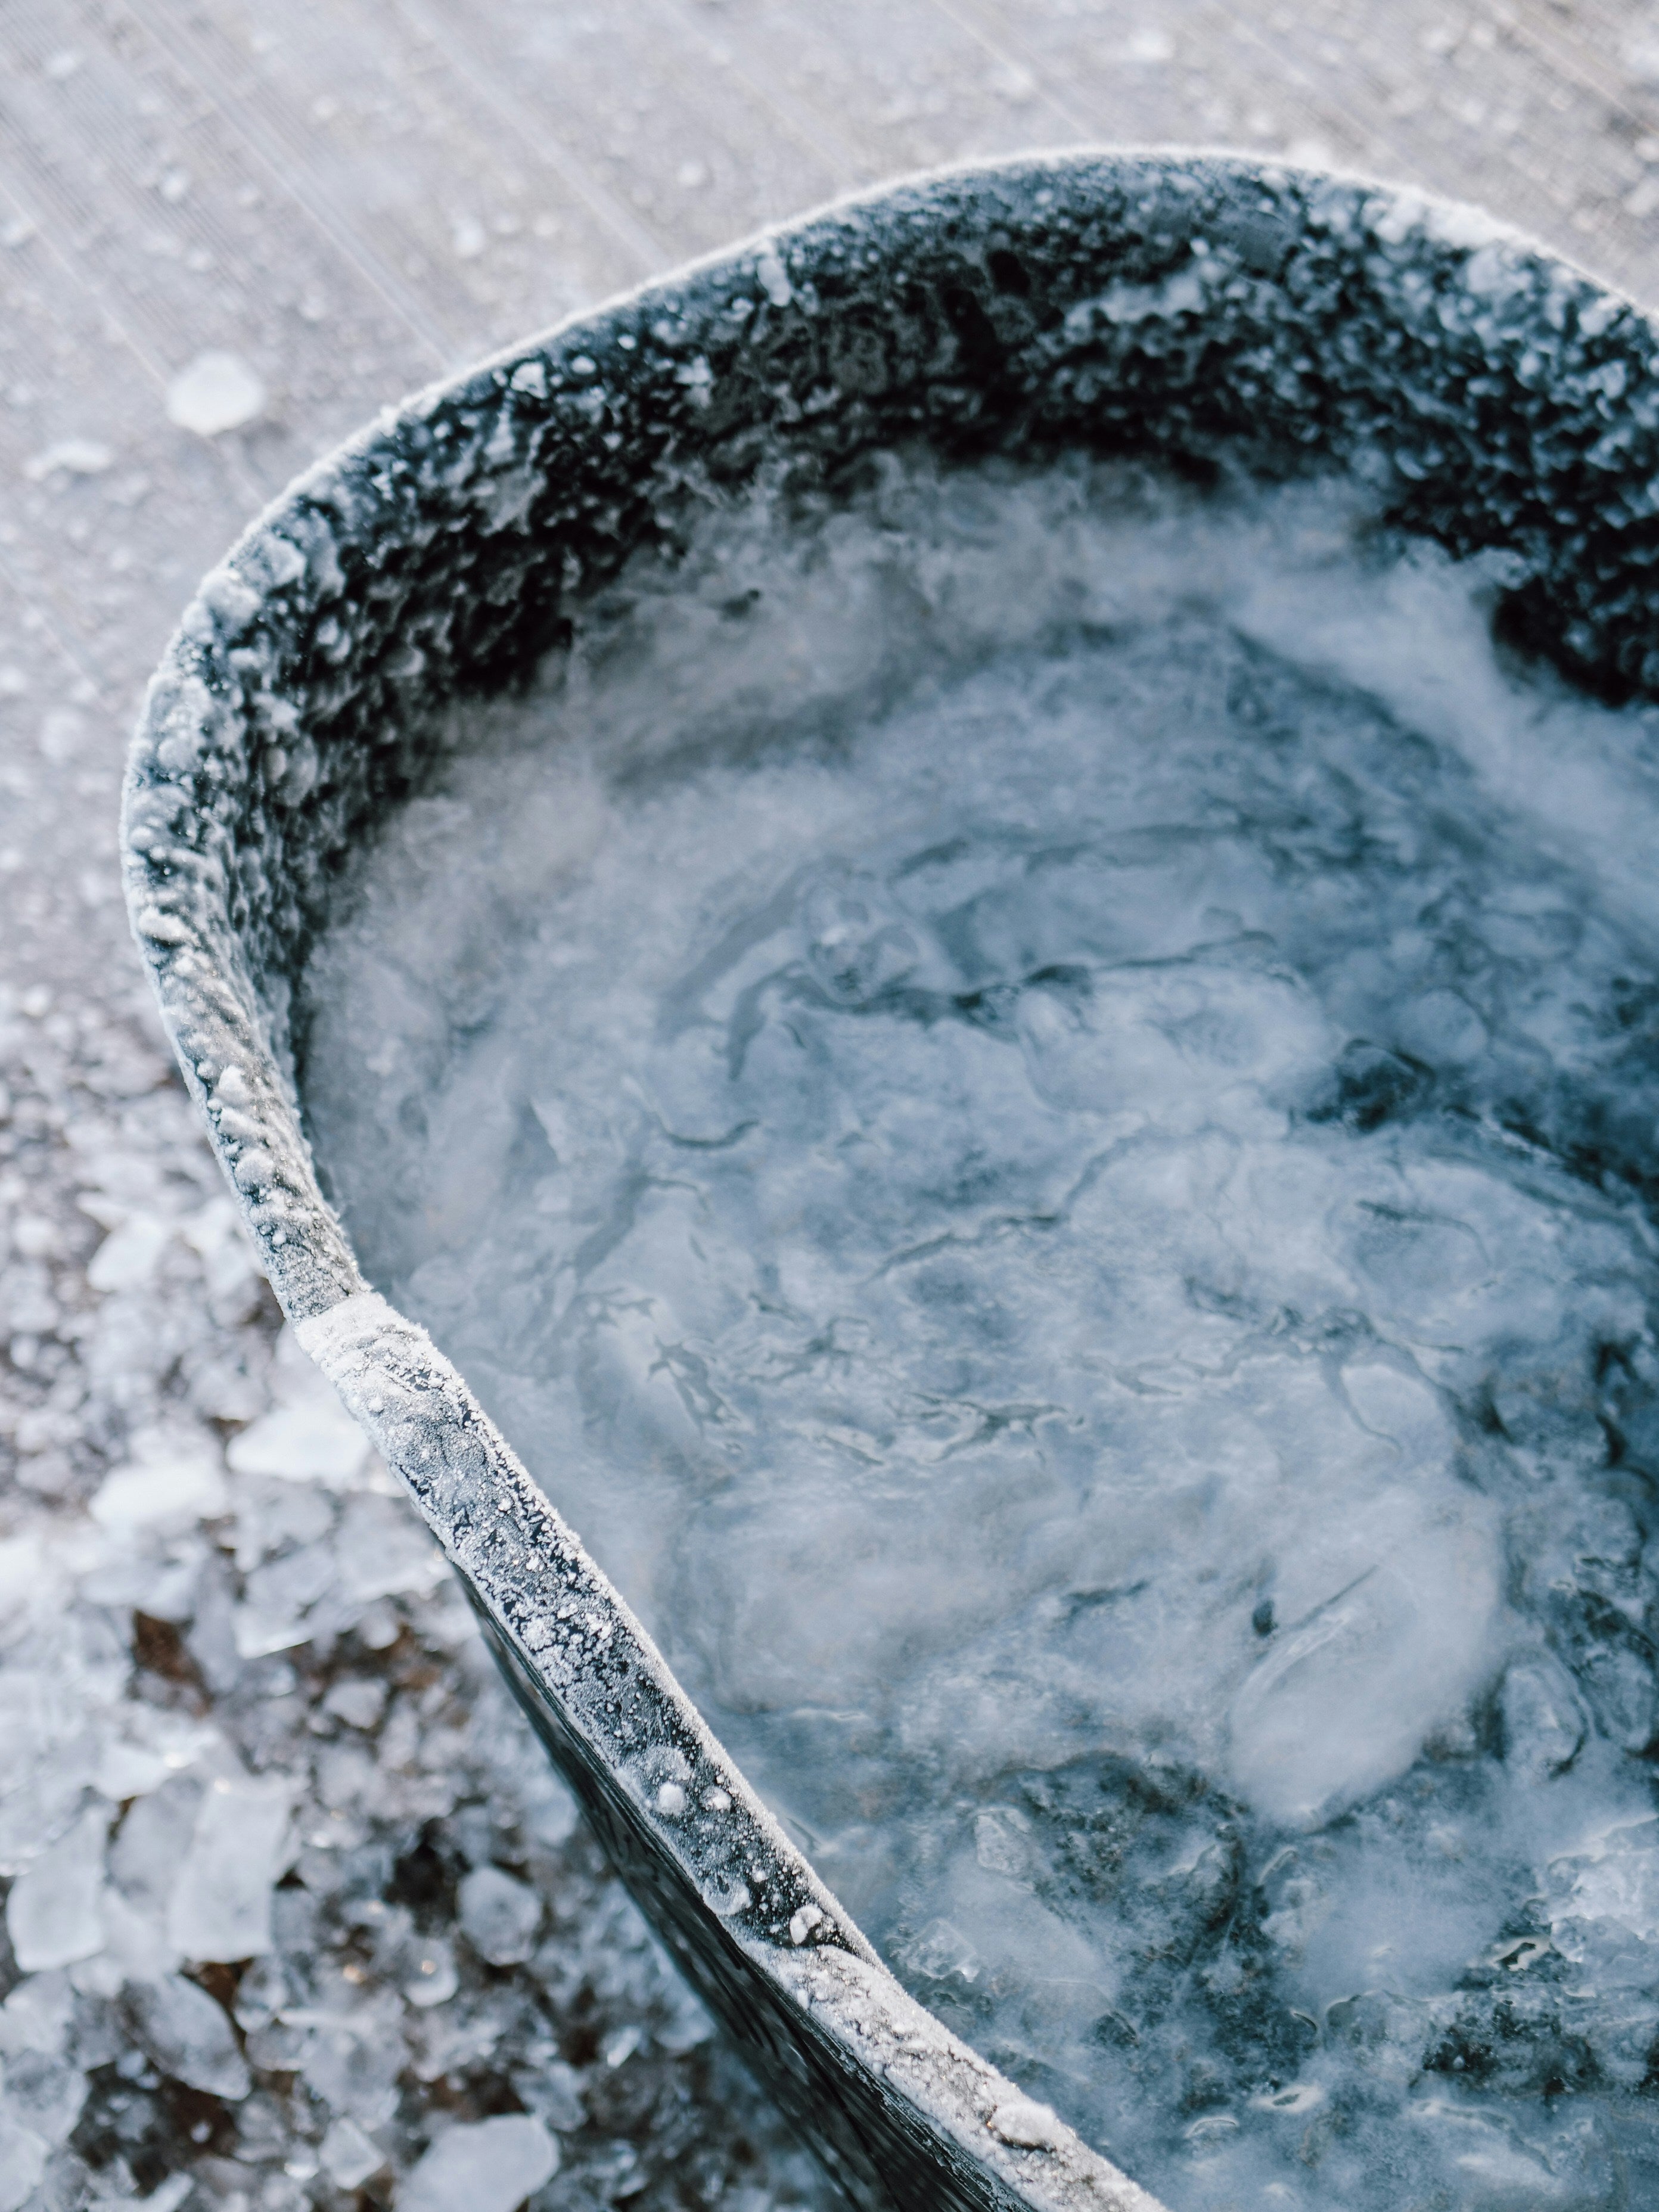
(1034, 1097)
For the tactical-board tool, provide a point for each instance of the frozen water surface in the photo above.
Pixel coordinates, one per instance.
(1031, 1097)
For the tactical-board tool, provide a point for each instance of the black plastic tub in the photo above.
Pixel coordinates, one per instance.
(1182, 308)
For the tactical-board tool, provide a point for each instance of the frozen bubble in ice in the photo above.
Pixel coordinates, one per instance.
(214, 392)
(482, 2165)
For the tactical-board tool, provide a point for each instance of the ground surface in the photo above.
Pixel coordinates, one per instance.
(239, 1719)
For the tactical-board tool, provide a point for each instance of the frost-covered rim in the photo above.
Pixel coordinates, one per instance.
(1496, 397)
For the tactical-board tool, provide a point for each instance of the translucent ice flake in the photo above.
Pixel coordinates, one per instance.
(188, 2036)
(171, 1480)
(500, 1916)
(220, 1906)
(214, 392)
(52, 1910)
(482, 2165)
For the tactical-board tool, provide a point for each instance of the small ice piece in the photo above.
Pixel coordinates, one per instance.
(382, 1548)
(129, 1255)
(1026, 2124)
(358, 1700)
(23, 2163)
(1605, 1906)
(308, 1435)
(349, 2156)
(53, 1913)
(187, 2035)
(499, 1916)
(214, 392)
(1544, 1724)
(220, 1908)
(482, 2165)
(671, 1800)
(45, 2092)
(171, 1479)
(1347, 1700)
(72, 457)
(428, 1978)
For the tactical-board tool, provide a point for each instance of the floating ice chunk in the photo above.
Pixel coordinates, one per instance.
(214, 392)
(53, 1913)
(1349, 1693)
(1545, 1724)
(283, 1600)
(220, 1907)
(499, 1916)
(482, 2165)
(348, 2156)
(428, 1976)
(1604, 1908)
(173, 1478)
(187, 2035)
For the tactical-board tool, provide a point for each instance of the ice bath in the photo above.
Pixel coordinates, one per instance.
(1029, 1095)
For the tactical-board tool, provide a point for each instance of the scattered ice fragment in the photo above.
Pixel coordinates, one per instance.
(220, 1906)
(127, 1258)
(173, 1478)
(430, 1978)
(482, 2165)
(214, 392)
(187, 2035)
(383, 1548)
(671, 1800)
(357, 1700)
(308, 1435)
(499, 1916)
(349, 2156)
(1544, 1724)
(1343, 1703)
(53, 1912)
(803, 1922)
(23, 2163)
(70, 457)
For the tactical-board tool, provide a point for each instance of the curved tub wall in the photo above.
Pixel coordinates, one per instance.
(1189, 306)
